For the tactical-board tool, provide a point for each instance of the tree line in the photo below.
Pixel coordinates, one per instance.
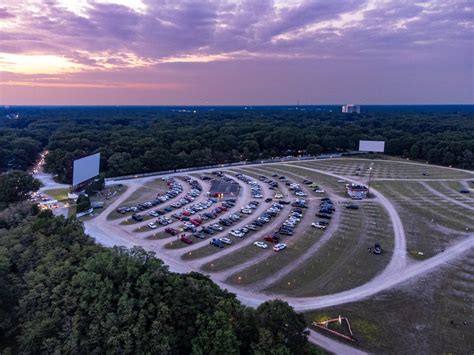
(145, 139)
(62, 293)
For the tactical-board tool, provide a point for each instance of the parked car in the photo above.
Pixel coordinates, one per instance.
(352, 207)
(464, 191)
(137, 217)
(272, 238)
(261, 245)
(216, 242)
(152, 225)
(236, 233)
(226, 240)
(318, 225)
(322, 215)
(377, 249)
(171, 231)
(279, 247)
(185, 239)
(199, 235)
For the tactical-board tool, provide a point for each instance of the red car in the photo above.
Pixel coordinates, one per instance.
(186, 213)
(272, 238)
(171, 231)
(222, 208)
(195, 222)
(185, 239)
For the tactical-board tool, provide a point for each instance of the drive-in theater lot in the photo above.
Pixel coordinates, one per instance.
(291, 231)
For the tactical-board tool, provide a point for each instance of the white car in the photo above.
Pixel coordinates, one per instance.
(278, 196)
(152, 225)
(217, 227)
(319, 226)
(153, 214)
(261, 245)
(225, 240)
(341, 181)
(300, 193)
(236, 234)
(319, 190)
(279, 246)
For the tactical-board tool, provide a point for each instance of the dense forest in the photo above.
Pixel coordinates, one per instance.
(144, 139)
(62, 293)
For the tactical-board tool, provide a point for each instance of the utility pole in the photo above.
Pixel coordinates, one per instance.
(370, 176)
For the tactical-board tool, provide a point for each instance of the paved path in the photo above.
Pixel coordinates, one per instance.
(332, 345)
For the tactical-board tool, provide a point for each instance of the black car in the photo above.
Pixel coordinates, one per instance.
(377, 249)
(199, 235)
(322, 215)
(352, 207)
(137, 217)
(465, 191)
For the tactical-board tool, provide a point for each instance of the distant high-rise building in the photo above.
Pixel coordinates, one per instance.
(351, 108)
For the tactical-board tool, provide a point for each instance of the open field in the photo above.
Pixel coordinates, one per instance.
(58, 194)
(275, 261)
(148, 191)
(344, 261)
(416, 317)
(431, 223)
(385, 169)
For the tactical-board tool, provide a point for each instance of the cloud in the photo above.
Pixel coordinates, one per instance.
(160, 40)
(222, 27)
(4, 13)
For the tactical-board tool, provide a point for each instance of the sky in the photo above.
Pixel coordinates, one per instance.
(236, 52)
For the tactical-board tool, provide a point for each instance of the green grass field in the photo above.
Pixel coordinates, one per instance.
(430, 222)
(415, 318)
(383, 169)
(148, 191)
(58, 194)
(297, 245)
(343, 262)
(324, 181)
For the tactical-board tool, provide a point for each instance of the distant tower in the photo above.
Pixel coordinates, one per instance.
(350, 108)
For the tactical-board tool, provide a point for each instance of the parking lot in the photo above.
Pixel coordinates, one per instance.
(264, 235)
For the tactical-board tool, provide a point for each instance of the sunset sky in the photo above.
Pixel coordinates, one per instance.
(224, 52)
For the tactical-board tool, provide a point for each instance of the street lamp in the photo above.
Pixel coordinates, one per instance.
(370, 176)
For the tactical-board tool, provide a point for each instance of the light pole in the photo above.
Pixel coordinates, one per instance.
(370, 176)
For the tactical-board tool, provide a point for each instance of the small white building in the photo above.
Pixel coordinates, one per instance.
(351, 108)
(357, 192)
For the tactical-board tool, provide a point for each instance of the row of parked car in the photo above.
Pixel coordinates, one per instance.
(264, 218)
(175, 188)
(191, 224)
(296, 189)
(188, 198)
(186, 215)
(272, 184)
(255, 188)
(326, 208)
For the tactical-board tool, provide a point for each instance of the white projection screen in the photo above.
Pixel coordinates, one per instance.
(85, 168)
(371, 146)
